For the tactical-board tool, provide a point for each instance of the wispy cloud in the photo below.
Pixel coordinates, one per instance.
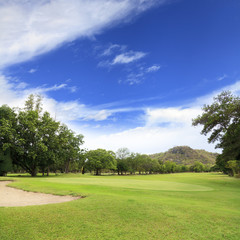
(153, 68)
(32, 70)
(128, 57)
(30, 28)
(14, 93)
(120, 55)
(134, 78)
(112, 48)
(116, 54)
(222, 77)
(138, 75)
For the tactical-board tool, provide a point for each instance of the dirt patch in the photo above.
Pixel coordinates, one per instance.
(12, 197)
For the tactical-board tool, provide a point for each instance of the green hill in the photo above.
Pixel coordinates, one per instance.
(186, 156)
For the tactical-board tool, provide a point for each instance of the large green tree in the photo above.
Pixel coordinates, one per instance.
(33, 143)
(221, 120)
(34, 140)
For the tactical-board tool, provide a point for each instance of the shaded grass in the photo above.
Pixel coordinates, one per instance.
(175, 206)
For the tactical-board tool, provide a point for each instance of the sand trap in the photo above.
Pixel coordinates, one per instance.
(12, 197)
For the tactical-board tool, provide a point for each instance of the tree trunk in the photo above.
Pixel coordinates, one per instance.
(34, 172)
(98, 172)
(67, 166)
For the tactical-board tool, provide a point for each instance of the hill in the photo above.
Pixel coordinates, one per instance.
(186, 156)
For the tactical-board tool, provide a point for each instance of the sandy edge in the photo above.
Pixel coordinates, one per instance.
(12, 197)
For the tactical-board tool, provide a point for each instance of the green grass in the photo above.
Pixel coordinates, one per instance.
(175, 206)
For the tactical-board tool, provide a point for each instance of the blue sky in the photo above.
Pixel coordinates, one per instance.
(129, 73)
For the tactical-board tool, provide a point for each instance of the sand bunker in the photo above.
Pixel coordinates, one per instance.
(11, 197)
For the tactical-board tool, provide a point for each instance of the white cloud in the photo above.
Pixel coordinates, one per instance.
(116, 54)
(134, 78)
(14, 93)
(162, 128)
(149, 139)
(177, 116)
(222, 77)
(112, 48)
(153, 68)
(128, 57)
(32, 70)
(30, 28)
(139, 75)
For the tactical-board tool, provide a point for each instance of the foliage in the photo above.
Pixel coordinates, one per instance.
(235, 166)
(100, 159)
(221, 120)
(7, 123)
(5, 162)
(68, 149)
(34, 139)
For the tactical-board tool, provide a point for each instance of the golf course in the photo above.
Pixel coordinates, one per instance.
(164, 206)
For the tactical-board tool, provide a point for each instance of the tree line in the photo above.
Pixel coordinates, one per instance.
(32, 141)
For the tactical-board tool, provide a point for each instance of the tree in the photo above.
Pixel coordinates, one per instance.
(49, 127)
(197, 167)
(7, 124)
(170, 166)
(222, 120)
(121, 156)
(33, 140)
(100, 159)
(235, 166)
(31, 147)
(68, 149)
(132, 163)
(5, 162)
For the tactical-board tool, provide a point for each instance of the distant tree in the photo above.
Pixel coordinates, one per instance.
(146, 164)
(132, 163)
(122, 153)
(121, 156)
(100, 159)
(154, 166)
(235, 166)
(162, 168)
(197, 167)
(170, 167)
